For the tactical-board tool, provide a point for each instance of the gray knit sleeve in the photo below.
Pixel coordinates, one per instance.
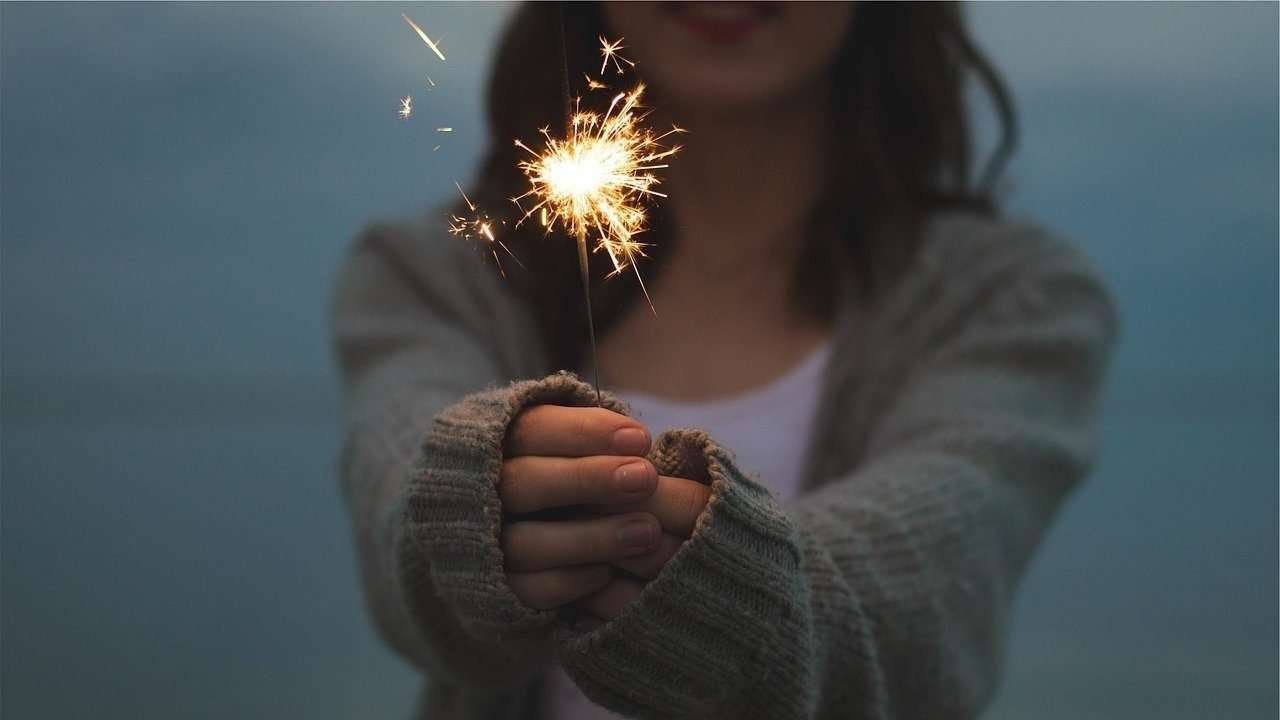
(449, 560)
(420, 327)
(883, 593)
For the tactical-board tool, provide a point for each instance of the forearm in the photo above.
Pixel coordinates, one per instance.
(392, 411)
(915, 562)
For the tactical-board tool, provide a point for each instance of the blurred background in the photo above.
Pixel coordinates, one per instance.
(178, 186)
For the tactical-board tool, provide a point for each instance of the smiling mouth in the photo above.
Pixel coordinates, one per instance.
(722, 22)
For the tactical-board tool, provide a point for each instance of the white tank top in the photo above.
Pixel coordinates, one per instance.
(767, 430)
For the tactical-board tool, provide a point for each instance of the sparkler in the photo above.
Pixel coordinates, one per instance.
(596, 180)
(434, 48)
(480, 225)
(609, 51)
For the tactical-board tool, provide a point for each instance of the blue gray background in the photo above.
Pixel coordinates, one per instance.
(179, 183)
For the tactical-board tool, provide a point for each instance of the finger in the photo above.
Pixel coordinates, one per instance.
(650, 564)
(529, 482)
(537, 545)
(575, 432)
(677, 503)
(546, 589)
(608, 602)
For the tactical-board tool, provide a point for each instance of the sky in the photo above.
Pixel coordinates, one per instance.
(178, 184)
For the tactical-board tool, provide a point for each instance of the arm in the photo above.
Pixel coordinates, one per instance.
(884, 593)
(419, 327)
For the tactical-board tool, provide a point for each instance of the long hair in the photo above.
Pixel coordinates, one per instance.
(904, 152)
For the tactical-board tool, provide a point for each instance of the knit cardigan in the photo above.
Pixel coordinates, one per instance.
(958, 410)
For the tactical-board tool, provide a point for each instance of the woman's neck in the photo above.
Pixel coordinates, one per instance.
(744, 183)
(740, 194)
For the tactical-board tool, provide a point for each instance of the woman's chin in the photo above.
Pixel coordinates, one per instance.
(716, 91)
(730, 102)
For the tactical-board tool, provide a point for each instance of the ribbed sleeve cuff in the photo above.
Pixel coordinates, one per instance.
(703, 636)
(452, 516)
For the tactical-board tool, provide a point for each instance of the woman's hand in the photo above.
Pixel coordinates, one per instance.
(571, 456)
(590, 458)
(677, 503)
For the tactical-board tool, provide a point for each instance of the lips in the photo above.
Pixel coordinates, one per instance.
(722, 22)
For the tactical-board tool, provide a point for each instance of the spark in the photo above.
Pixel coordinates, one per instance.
(593, 84)
(444, 129)
(595, 181)
(609, 51)
(479, 225)
(434, 48)
(431, 82)
(406, 107)
(435, 148)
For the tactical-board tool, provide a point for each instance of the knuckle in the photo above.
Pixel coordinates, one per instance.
(518, 552)
(692, 498)
(523, 589)
(589, 579)
(585, 424)
(518, 430)
(582, 478)
(508, 476)
(602, 541)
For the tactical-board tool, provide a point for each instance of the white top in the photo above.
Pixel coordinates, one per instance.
(767, 430)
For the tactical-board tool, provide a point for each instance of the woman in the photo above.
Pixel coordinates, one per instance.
(901, 389)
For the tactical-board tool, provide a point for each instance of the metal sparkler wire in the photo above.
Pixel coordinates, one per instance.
(581, 234)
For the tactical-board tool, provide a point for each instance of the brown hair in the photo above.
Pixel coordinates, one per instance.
(905, 147)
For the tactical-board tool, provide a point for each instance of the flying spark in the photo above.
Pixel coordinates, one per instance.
(406, 107)
(434, 48)
(480, 226)
(609, 51)
(595, 181)
(592, 83)
(444, 129)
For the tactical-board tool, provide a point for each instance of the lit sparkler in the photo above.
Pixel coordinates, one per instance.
(434, 48)
(609, 52)
(595, 181)
(480, 226)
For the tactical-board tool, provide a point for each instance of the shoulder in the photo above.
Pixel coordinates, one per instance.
(971, 248)
(411, 281)
(970, 266)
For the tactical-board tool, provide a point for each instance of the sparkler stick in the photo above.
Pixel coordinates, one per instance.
(581, 235)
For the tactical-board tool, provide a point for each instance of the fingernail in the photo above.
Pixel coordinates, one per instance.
(630, 441)
(637, 535)
(631, 478)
